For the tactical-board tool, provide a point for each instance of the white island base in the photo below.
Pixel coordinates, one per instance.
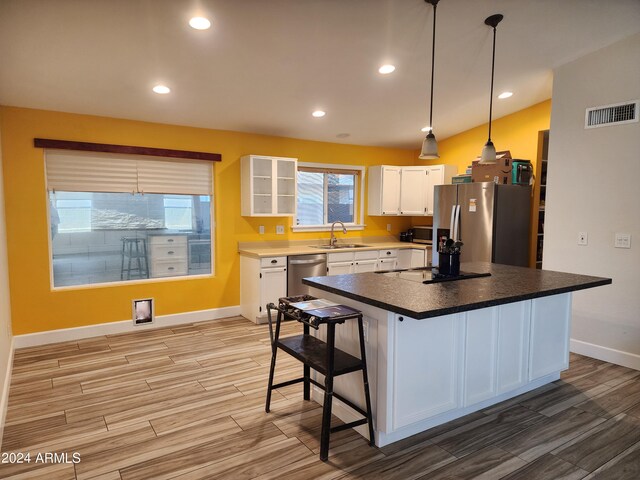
(423, 373)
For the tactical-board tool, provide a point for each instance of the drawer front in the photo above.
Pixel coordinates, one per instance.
(273, 262)
(168, 240)
(339, 257)
(169, 268)
(368, 255)
(391, 253)
(167, 252)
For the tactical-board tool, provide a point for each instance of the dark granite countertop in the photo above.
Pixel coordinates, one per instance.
(505, 285)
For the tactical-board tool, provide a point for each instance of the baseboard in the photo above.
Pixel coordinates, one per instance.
(77, 333)
(606, 354)
(4, 394)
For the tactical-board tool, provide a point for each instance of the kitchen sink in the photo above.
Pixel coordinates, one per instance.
(337, 247)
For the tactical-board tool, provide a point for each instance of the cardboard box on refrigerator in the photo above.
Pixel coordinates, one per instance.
(488, 173)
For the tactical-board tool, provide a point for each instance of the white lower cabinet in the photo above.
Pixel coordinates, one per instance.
(362, 266)
(339, 268)
(387, 259)
(426, 365)
(549, 335)
(411, 258)
(264, 280)
(457, 361)
(273, 285)
(496, 350)
(514, 320)
(480, 355)
(340, 263)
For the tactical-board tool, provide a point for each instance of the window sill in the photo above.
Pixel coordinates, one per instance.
(325, 228)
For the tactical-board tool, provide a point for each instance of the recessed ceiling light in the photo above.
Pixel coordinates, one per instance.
(161, 89)
(505, 94)
(319, 113)
(199, 23)
(386, 69)
(425, 129)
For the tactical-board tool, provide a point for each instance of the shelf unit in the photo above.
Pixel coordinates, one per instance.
(268, 186)
(539, 201)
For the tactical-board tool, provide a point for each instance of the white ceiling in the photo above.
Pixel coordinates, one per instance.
(264, 66)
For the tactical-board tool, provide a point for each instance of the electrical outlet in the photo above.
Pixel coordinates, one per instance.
(583, 238)
(388, 227)
(623, 240)
(280, 229)
(261, 229)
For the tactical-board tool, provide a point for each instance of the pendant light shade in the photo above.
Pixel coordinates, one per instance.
(430, 145)
(489, 150)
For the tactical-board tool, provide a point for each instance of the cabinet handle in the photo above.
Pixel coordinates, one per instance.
(401, 319)
(170, 252)
(171, 268)
(274, 261)
(388, 253)
(170, 240)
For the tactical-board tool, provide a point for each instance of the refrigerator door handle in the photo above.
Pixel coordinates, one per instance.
(456, 223)
(452, 223)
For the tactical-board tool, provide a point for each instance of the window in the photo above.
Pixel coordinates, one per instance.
(71, 212)
(116, 218)
(177, 212)
(328, 194)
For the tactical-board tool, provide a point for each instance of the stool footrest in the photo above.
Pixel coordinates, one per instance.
(346, 426)
(288, 382)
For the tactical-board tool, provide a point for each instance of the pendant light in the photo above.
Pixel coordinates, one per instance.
(489, 151)
(429, 145)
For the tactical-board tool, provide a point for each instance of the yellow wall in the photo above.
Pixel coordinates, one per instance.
(517, 132)
(35, 307)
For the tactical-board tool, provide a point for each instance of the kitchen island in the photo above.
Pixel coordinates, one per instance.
(436, 352)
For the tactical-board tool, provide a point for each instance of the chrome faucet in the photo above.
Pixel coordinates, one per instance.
(333, 239)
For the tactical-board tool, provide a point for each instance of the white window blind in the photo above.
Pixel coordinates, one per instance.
(95, 172)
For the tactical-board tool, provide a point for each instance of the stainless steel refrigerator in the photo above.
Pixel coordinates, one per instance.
(491, 220)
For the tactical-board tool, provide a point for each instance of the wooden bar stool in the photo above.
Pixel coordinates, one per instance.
(323, 357)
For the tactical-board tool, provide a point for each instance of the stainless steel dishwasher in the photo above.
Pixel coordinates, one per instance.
(302, 266)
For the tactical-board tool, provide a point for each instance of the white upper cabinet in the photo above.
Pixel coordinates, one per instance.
(437, 175)
(268, 186)
(405, 190)
(384, 190)
(413, 183)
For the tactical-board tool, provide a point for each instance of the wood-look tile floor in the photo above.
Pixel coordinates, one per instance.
(188, 403)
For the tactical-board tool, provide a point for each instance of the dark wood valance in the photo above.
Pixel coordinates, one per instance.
(124, 149)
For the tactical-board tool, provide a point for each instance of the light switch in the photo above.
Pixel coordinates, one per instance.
(583, 238)
(261, 229)
(280, 229)
(623, 240)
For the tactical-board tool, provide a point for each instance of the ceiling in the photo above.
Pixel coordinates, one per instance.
(264, 66)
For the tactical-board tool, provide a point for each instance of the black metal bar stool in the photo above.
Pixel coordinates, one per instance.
(323, 357)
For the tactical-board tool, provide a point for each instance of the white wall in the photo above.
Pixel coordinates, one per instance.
(5, 311)
(594, 187)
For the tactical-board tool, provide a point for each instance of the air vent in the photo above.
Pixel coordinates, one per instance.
(615, 114)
